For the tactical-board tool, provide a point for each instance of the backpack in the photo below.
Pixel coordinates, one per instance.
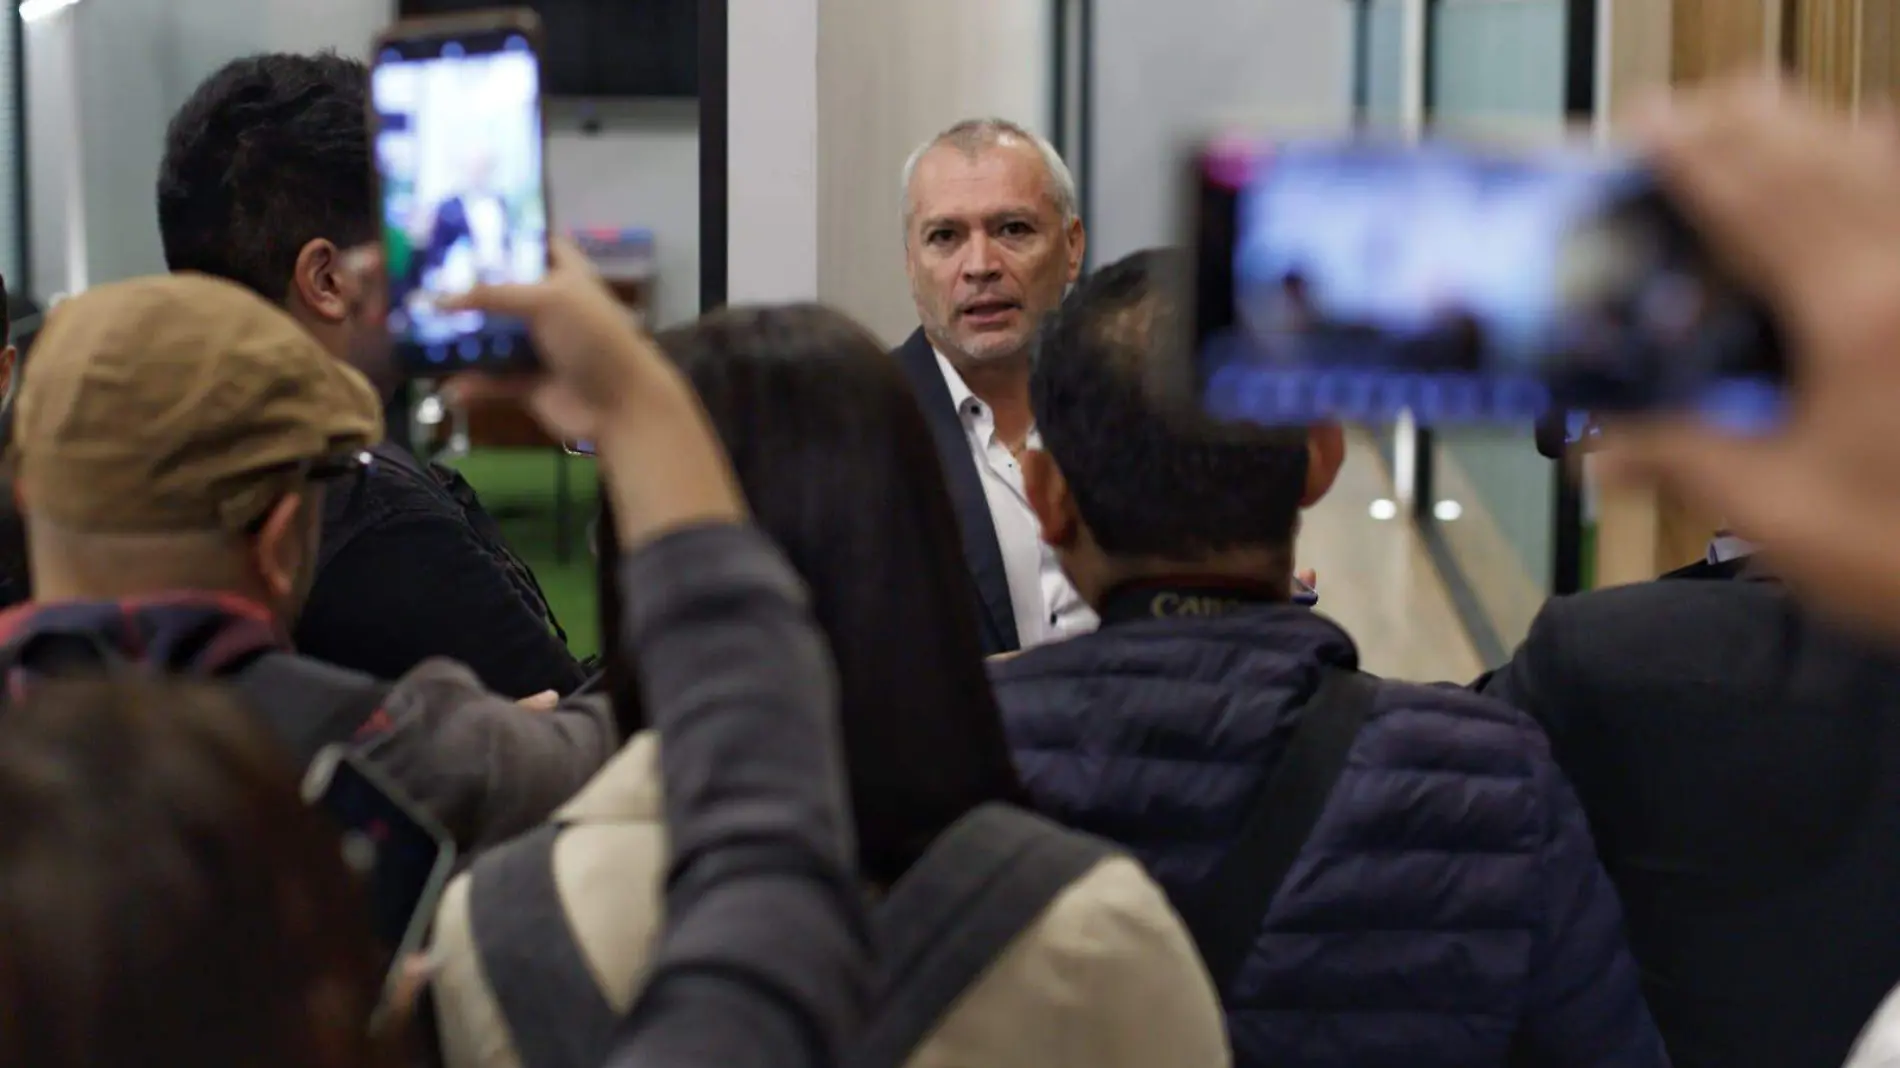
(980, 885)
(307, 704)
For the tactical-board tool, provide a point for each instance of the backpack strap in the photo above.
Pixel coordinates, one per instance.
(980, 885)
(308, 704)
(557, 1015)
(1226, 921)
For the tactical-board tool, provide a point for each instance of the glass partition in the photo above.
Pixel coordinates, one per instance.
(1496, 67)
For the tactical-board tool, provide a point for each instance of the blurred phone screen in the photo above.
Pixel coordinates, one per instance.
(1354, 279)
(402, 858)
(459, 154)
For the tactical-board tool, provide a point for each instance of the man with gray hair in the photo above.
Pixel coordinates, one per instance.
(992, 240)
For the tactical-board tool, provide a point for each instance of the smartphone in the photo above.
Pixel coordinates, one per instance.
(401, 855)
(1352, 279)
(458, 127)
(578, 448)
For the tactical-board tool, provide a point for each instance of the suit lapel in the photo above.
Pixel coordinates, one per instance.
(980, 548)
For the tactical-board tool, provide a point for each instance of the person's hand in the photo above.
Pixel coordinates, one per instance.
(1801, 202)
(596, 358)
(608, 383)
(545, 701)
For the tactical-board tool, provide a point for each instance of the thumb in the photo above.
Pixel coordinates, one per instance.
(545, 701)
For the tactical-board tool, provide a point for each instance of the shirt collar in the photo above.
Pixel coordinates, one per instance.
(980, 421)
(960, 393)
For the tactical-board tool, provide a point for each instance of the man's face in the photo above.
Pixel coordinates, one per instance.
(987, 252)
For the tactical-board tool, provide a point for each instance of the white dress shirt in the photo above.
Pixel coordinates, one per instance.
(1046, 606)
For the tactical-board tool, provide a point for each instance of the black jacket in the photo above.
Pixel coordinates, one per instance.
(1739, 761)
(996, 617)
(411, 568)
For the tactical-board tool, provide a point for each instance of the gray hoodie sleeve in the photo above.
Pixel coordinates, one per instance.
(480, 763)
(764, 962)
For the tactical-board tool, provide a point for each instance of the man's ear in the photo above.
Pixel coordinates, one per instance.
(1049, 498)
(318, 281)
(280, 546)
(1325, 452)
(1078, 247)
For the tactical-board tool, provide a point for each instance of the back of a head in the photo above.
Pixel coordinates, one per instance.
(164, 422)
(1150, 478)
(839, 468)
(270, 153)
(165, 896)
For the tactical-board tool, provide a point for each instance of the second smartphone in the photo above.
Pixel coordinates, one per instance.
(1353, 279)
(458, 129)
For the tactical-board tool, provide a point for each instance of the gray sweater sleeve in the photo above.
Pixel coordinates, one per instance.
(764, 961)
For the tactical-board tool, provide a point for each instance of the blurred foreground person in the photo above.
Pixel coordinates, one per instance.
(546, 941)
(1733, 730)
(267, 181)
(165, 897)
(119, 803)
(172, 452)
(1377, 873)
(1800, 200)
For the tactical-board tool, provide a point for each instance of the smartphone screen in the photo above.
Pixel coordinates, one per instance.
(1351, 280)
(459, 154)
(402, 856)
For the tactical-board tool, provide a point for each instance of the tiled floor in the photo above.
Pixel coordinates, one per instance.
(1376, 580)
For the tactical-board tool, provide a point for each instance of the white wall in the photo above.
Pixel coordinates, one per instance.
(94, 142)
(889, 73)
(892, 73)
(1168, 72)
(772, 150)
(640, 169)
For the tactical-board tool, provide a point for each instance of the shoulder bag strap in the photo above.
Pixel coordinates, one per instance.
(982, 883)
(557, 1015)
(1227, 920)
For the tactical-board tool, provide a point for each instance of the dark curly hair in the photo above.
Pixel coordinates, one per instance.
(269, 154)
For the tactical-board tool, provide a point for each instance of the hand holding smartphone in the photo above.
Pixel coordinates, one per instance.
(1354, 279)
(457, 124)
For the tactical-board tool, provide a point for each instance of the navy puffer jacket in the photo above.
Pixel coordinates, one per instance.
(1448, 909)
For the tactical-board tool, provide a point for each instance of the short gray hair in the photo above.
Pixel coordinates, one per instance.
(974, 135)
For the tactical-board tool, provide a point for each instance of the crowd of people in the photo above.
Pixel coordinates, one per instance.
(954, 709)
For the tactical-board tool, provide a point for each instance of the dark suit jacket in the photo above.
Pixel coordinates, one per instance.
(995, 615)
(1739, 761)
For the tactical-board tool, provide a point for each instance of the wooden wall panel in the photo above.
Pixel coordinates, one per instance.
(1710, 38)
(1879, 50)
(1827, 46)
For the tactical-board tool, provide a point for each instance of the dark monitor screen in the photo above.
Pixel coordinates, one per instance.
(606, 48)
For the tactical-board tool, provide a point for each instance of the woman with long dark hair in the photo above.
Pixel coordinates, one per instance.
(837, 465)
